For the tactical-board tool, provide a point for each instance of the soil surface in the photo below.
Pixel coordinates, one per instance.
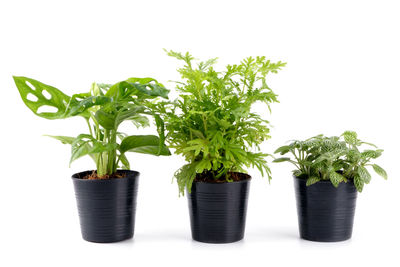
(234, 176)
(93, 176)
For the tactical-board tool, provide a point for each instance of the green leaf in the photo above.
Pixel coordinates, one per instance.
(281, 160)
(283, 150)
(371, 154)
(359, 183)
(105, 119)
(312, 180)
(85, 144)
(79, 107)
(364, 174)
(64, 139)
(297, 173)
(125, 162)
(131, 87)
(146, 144)
(57, 101)
(336, 178)
(379, 170)
(161, 132)
(350, 137)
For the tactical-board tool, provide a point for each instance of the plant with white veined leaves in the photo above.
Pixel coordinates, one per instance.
(338, 159)
(104, 108)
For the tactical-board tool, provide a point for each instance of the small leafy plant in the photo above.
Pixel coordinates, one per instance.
(338, 159)
(104, 108)
(211, 123)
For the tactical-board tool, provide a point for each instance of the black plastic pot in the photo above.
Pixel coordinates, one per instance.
(218, 211)
(325, 213)
(106, 207)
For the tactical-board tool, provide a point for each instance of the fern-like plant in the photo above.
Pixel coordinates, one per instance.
(211, 123)
(104, 108)
(337, 158)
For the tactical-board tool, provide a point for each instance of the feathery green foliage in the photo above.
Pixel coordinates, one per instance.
(104, 108)
(338, 159)
(211, 123)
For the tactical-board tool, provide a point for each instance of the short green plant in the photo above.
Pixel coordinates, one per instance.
(337, 158)
(104, 108)
(211, 123)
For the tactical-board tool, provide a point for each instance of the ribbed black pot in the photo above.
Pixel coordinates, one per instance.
(106, 207)
(218, 211)
(325, 213)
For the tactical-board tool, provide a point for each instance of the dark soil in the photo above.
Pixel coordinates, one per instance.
(207, 177)
(93, 176)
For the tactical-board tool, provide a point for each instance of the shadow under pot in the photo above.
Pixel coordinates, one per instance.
(106, 207)
(218, 210)
(325, 213)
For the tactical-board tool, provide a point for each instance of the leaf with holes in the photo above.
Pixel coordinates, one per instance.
(57, 100)
(104, 108)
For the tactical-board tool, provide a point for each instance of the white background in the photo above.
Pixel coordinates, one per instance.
(342, 73)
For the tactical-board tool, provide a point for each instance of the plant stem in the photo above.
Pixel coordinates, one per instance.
(111, 164)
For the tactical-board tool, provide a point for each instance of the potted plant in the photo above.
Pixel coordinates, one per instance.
(212, 125)
(106, 197)
(329, 172)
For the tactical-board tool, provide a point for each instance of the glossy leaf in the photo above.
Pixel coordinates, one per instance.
(58, 99)
(282, 150)
(64, 139)
(281, 160)
(146, 144)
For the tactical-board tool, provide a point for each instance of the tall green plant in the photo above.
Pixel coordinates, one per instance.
(211, 122)
(337, 158)
(104, 108)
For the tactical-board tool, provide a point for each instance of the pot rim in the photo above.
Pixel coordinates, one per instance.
(305, 179)
(234, 182)
(133, 174)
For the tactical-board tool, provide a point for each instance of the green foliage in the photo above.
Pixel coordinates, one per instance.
(211, 123)
(104, 108)
(337, 159)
